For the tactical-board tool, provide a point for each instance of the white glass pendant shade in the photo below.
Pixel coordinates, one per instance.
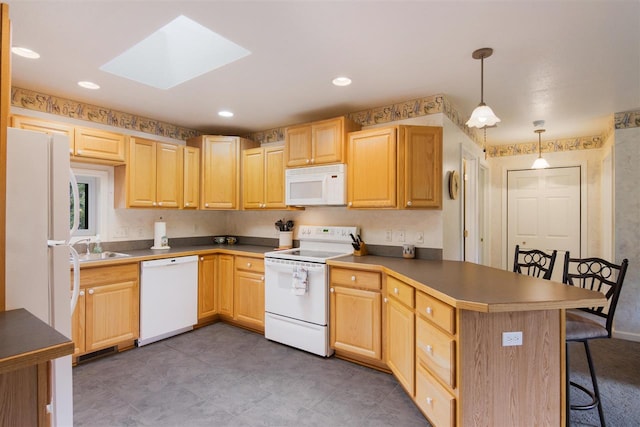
(540, 163)
(482, 116)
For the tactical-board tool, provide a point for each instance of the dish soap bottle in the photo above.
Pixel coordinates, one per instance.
(97, 247)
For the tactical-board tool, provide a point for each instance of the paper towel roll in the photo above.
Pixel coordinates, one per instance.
(160, 240)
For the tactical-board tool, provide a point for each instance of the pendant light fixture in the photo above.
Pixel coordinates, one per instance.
(483, 115)
(540, 163)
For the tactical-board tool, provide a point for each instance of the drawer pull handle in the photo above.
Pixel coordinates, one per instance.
(429, 310)
(396, 291)
(353, 278)
(429, 401)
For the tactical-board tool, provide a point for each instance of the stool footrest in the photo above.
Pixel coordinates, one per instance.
(591, 394)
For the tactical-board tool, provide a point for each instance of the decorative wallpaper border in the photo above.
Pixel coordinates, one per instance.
(628, 119)
(569, 144)
(77, 110)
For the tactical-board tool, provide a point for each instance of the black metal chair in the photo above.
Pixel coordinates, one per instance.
(534, 263)
(586, 324)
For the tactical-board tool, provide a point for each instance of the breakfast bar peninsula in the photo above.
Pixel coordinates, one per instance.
(472, 345)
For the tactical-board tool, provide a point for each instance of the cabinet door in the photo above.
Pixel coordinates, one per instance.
(401, 343)
(77, 325)
(298, 145)
(207, 270)
(168, 175)
(191, 178)
(99, 144)
(327, 141)
(29, 123)
(274, 186)
(142, 173)
(423, 167)
(253, 178)
(372, 169)
(224, 284)
(356, 321)
(249, 299)
(112, 314)
(219, 186)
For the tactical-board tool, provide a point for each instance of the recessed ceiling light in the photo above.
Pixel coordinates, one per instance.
(341, 81)
(25, 52)
(89, 85)
(225, 113)
(180, 51)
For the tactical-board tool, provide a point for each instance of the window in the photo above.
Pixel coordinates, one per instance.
(87, 205)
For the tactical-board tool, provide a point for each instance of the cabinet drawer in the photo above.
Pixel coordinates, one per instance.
(436, 350)
(436, 311)
(356, 278)
(250, 264)
(436, 402)
(401, 291)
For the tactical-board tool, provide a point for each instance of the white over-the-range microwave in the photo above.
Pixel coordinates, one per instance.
(316, 185)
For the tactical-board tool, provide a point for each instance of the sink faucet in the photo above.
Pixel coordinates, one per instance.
(86, 241)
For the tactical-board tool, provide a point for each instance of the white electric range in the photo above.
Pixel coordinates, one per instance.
(297, 288)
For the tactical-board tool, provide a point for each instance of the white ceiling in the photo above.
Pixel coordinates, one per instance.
(569, 63)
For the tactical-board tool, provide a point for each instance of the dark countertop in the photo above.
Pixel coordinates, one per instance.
(27, 340)
(476, 287)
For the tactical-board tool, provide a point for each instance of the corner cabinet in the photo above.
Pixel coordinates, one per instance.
(263, 178)
(220, 169)
(318, 143)
(355, 326)
(152, 176)
(398, 167)
(107, 313)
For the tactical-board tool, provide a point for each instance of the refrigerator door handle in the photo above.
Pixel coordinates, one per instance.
(76, 278)
(75, 202)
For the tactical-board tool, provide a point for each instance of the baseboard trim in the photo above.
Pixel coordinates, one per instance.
(629, 336)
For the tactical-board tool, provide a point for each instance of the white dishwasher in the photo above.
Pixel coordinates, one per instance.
(168, 298)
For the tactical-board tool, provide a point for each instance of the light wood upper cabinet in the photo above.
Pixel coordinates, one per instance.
(99, 144)
(220, 169)
(263, 178)
(40, 125)
(395, 167)
(318, 143)
(191, 178)
(152, 177)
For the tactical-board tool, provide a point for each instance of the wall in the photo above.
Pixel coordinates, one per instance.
(627, 229)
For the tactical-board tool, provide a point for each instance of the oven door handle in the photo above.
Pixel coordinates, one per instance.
(289, 266)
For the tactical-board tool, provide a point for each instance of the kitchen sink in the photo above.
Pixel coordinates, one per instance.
(103, 255)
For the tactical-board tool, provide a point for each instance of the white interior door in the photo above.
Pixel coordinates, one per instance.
(470, 234)
(543, 212)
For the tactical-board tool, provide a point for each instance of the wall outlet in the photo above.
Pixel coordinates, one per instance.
(511, 338)
(400, 236)
(388, 236)
(420, 237)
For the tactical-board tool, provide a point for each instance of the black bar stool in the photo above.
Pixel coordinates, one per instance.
(534, 263)
(585, 324)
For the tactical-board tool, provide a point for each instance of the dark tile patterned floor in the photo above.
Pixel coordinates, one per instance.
(225, 376)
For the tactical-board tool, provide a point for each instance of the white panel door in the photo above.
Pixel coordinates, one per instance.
(543, 212)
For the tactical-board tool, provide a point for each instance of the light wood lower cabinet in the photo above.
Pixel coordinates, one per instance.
(207, 299)
(355, 325)
(400, 333)
(111, 308)
(249, 292)
(225, 286)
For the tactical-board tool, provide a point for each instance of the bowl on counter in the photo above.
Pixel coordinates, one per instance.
(220, 239)
(231, 240)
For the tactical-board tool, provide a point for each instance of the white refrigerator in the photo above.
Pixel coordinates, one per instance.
(37, 251)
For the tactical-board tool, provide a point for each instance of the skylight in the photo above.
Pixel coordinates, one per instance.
(176, 53)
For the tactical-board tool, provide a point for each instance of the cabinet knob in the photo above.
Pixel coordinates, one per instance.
(186, 204)
(313, 161)
(201, 258)
(153, 204)
(91, 291)
(307, 161)
(206, 205)
(429, 310)
(429, 401)
(353, 278)
(385, 300)
(429, 349)
(159, 203)
(79, 151)
(71, 150)
(350, 203)
(331, 290)
(409, 203)
(396, 291)
(81, 293)
(262, 278)
(248, 265)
